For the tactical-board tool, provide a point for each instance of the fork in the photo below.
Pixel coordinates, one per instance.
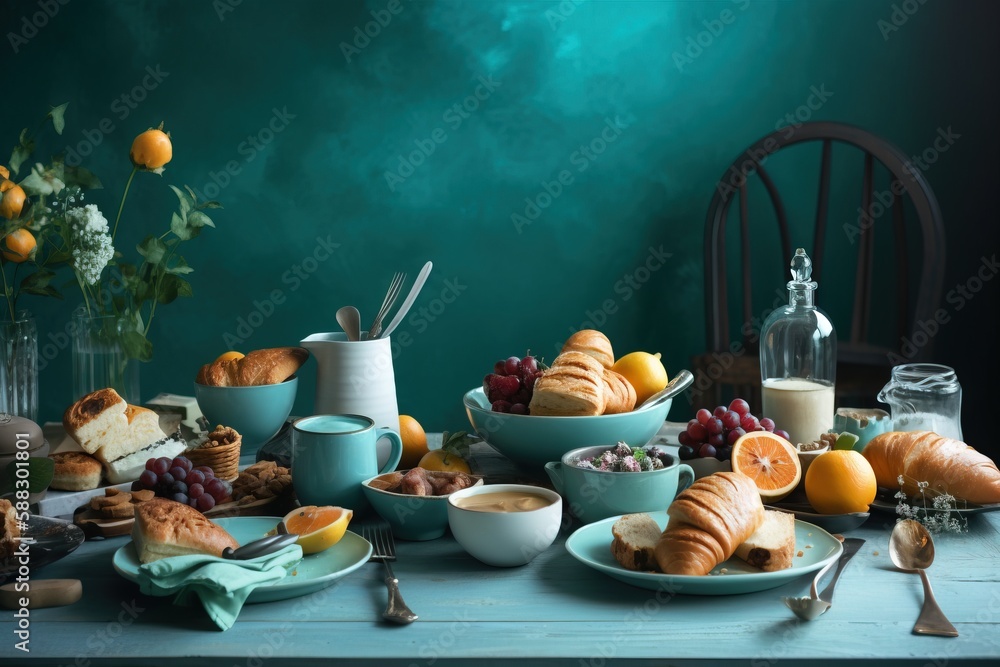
(384, 550)
(395, 287)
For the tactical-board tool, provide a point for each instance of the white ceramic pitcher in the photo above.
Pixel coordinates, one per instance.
(355, 377)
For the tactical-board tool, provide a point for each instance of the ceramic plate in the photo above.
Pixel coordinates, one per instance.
(53, 539)
(309, 575)
(591, 545)
(831, 523)
(886, 501)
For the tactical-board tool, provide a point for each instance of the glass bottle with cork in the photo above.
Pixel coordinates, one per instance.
(798, 360)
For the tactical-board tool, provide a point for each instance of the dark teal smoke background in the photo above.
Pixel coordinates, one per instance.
(341, 161)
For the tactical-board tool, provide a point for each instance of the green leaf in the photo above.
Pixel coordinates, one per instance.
(180, 227)
(136, 346)
(200, 219)
(180, 268)
(40, 472)
(187, 201)
(153, 249)
(34, 184)
(171, 287)
(58, 116)
(38, 279)
(20, 153)
(211, 204)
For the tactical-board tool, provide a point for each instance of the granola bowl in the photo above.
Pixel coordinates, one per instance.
(411, 517)
(257, 413)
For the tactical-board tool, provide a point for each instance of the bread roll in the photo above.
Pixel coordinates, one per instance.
(592, 342)
(619, 392)
(947, 465)
(165, 528)
(75, 471)
(572, 386)
(269, 366)
(708, 520)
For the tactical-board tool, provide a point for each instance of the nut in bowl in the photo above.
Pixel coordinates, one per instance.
(594, 493)
(505, 525)
(415, 502)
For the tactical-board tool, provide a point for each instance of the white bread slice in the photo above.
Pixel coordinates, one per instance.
(635, 540)
(129, 467)
(134, 429)
(772, 546)
(95, 418)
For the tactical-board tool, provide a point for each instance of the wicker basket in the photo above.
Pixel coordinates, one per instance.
(221, 453)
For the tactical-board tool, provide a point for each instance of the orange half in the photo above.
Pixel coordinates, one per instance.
(770, 461)
(318, 528)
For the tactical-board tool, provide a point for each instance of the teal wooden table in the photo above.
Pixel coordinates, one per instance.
(554, 611)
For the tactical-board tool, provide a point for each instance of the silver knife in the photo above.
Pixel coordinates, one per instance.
(851, 547)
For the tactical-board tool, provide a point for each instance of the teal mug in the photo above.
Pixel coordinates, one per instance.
(333, 454)
(864, 423)
(593, 495)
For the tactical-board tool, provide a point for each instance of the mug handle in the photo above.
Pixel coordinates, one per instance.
(554, 469)
(685, 477)
(395, 453)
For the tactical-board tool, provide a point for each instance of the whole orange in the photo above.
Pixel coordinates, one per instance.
(414, 442)
(840, 481)
(4, 172)
(18, 246)
(151, 149)
(11, 200)
(439, 459)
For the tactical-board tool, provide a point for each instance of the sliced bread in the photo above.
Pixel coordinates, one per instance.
(772, 546)
(635, 538)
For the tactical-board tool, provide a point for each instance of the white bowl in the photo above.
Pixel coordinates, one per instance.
(505, 539)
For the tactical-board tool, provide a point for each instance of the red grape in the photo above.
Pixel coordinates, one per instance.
(196, 490)
(697, 431)
(735, 435)
(703, 416)
(686, 453)
(178, 473)
(148, 478)
(707, 451)
(684, 438)
(731, 420)
(512, 365)
(500, 367)
(529, 365)
(719, 411)
(166, 479)
(717, 439)
(518, 409)
(529, 381)
(195, 477)
(749, 423)
(507, 385)
(206, 470)
(161, 465)
(767, 423)
(183, 462)
(740, 407)
(714, 426)
(217, 488)
(500, 406)
(150, 463)
(783, 434)
(206, 502)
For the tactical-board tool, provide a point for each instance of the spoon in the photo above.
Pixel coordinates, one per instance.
(349, 320)
(681, 381)
(808, 608)
(911, 548)
(410, 298)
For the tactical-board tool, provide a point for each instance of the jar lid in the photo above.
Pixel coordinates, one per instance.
(13, 429)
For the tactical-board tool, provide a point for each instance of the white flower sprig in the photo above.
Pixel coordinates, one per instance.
(91, 242)
(939, 517)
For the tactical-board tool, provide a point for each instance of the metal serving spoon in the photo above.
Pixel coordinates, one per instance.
(911, 548)
(681, 381)
(349, 320)
(808, 608)
(262, 547)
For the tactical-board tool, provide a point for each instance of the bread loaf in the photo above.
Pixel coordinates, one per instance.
(619, 393)
(593, 343)
(268, 366)
(707, 521)
(947, 465)
(572, 386)
(165, 528)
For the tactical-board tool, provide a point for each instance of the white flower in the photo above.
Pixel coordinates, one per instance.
(92, 249)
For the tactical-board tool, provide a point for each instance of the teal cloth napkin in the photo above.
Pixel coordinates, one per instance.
(221, 584)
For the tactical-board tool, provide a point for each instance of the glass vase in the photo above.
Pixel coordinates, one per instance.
(99, 358)
(19, 374)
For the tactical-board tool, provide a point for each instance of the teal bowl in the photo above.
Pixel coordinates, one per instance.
(531, 441)
(417, 518)
(257, 413)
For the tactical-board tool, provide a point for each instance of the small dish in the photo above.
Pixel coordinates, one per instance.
(410, 517)
(52, 539)
(831, 523)
(886, 501)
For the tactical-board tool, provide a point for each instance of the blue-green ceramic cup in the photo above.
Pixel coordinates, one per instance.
(333, 454)
(864, 423)
(593, 495)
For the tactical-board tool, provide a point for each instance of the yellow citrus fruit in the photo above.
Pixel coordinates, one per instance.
(11, 200)
(644, 371)
(318, 528)
(438, 459)
(232, 354)
(151, 149)
(18, 246)
(840, 481)
(414, 442)
(770, 461)
(4, 172)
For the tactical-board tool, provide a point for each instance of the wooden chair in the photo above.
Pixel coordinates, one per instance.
(730, 366)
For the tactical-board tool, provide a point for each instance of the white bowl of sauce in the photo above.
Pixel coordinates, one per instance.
(505, 525)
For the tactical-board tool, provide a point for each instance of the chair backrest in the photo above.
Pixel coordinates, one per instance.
(905, 179)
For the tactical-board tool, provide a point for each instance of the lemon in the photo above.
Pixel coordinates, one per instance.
(644, 371)
(318, 528)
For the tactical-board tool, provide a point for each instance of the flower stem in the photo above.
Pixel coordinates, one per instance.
(121, 206)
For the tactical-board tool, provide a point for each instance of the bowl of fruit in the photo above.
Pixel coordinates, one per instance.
(706, 444)
(502, 412)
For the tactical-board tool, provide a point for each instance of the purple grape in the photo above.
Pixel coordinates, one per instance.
(707, 451)
(740, 407)
(137, 486)
(180, 487)
(195, 477)
(716, 440)
(193, 502)
(179, 473)
(783, 434)
(518, 409)
(719, 411)
(500, 406)
(182, 462)
(686, 453)
(731, 420)
(697, 431)
(148, 479)
(150, 463)
(684, 438)
(512, 365)
(703, 416)
(734, 435)
(500, 368)
(161, 465)
(166, 479)
(529, 365)
(206, 470)
(749, 423)
(206, 502)
(767, 424)
(196, 490)
(214, 486)
(714, 426)
(724, 453)
(529, 380)
(180, 497)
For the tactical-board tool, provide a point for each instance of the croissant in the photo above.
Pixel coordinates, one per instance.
(268, 366)
(592, 342)
(572, 386)
(707, 521)
(947, 465)
(619, 392)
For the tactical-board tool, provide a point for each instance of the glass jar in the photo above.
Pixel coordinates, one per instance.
(99, 358)
(798, 360)
(19, 374)
(924, 397)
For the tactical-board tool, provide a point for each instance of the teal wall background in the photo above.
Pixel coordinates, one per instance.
(557, 74)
